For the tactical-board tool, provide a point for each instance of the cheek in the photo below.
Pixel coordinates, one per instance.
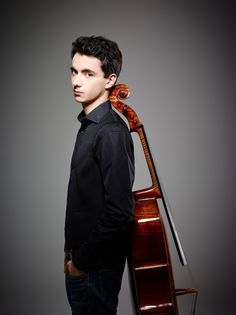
(97, 87)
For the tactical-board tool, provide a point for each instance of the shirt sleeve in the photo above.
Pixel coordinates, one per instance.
(115, 159)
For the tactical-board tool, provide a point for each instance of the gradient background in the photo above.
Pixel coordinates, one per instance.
(179, 61)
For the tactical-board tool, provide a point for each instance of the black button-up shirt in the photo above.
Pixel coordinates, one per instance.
(100, 200)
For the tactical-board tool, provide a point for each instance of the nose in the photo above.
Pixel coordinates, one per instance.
(76, 80)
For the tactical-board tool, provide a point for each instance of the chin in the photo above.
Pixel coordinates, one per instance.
(78, 99)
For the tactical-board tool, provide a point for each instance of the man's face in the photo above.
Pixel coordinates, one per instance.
(90, 88)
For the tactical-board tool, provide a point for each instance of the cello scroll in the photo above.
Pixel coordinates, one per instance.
(122, 92)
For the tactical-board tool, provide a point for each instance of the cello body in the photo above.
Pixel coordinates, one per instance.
(149, 261)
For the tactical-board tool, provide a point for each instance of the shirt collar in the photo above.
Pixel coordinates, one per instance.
(96, 114)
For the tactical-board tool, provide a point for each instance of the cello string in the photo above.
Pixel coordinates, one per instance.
(186, 265)
(169, 215)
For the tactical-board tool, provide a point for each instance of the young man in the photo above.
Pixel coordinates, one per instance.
(100, 200)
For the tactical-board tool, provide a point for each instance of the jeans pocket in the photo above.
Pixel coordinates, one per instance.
(76, 277)
(77, 288)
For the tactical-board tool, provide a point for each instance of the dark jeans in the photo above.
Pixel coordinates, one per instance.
(95, 293)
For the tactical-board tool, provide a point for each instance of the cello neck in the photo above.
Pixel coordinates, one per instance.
(121, 91)
(155, 188)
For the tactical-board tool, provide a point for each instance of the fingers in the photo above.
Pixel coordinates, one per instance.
(73, 270)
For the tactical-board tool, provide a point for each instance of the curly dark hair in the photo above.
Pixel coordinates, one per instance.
(105, 50)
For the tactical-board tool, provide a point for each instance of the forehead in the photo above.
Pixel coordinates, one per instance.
(81, 62)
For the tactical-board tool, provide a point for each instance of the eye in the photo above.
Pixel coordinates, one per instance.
(73, 71)
(89, 74)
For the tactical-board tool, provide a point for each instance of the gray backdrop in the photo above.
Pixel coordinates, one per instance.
(179, 61)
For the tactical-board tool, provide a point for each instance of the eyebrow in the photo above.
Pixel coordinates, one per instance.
(83, 71)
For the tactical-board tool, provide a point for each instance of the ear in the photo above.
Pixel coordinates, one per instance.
(111, 80)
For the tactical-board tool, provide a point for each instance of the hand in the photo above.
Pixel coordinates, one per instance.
(73, 270)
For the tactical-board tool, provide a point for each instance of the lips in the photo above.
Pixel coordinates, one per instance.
(77, 93)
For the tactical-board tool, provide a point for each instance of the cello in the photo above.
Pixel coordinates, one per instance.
(149, 261)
